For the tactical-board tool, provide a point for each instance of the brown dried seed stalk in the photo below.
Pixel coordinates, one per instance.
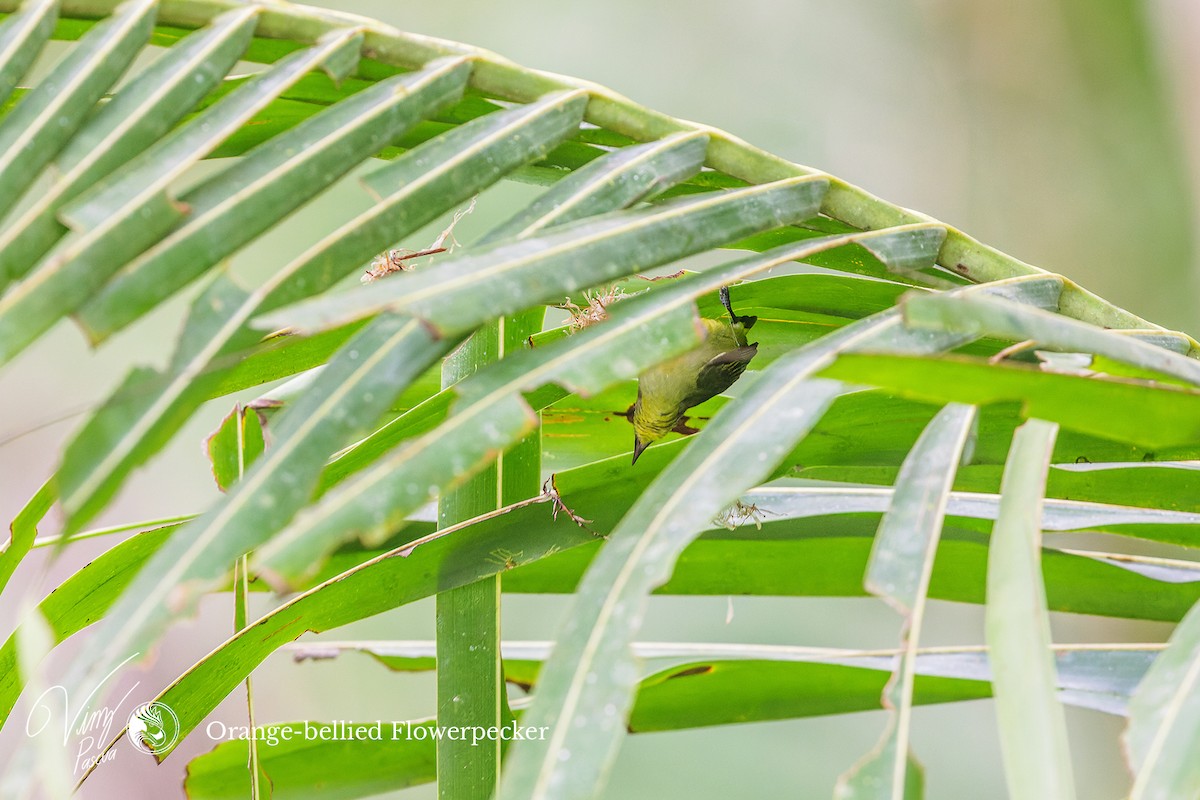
(391, 261)
(596, 310)
(385, 264)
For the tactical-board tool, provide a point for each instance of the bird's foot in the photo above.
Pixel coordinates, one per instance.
(683, 427)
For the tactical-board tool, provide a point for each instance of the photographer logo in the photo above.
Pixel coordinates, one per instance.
(153, 728)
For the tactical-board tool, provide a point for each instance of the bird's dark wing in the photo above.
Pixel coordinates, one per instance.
(719, 373)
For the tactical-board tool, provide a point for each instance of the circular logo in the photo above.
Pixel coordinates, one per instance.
(153, 728)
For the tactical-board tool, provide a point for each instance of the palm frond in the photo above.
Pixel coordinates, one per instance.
(875, 324)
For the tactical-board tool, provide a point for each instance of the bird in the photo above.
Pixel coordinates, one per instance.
(666, 391)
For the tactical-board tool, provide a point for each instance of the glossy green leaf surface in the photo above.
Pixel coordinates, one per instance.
(22, 36)
(23, 530)
(1089, 676)
(137, 116)
(990, 316)
(268, 183)
(722, 562)
(643, 331)
(775, 412)
(300, 760)
(123, 215)
(1148, 484)
(758, 684)
(45, 118)
(869, 323)
(1151, 416)
(509, 277)
(150, 407)
(492, 415)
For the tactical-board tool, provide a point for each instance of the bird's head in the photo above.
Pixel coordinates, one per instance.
(648, 426)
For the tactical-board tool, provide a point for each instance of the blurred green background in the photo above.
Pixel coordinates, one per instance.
(1061, 132)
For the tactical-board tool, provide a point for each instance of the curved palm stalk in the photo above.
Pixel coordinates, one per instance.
(306, 25)
(502, 78)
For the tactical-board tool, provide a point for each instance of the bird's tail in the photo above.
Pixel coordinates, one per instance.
(746, 321)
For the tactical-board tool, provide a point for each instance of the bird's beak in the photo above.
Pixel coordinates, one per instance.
(638, 447)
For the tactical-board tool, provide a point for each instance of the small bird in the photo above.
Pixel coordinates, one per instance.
(668, 390)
